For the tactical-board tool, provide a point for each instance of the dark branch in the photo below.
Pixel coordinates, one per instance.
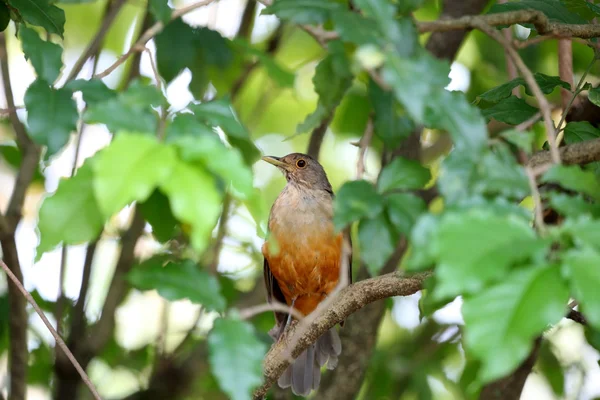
(349, 300)
(317, 136)
(542, 25)
(577, 153)
(112, 10)
(23, 141)
(17, 324)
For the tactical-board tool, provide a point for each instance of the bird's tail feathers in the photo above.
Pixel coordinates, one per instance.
(304, 374)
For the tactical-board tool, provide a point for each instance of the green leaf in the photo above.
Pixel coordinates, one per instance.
(355, 28)
(71, 215)
(129, 169)
(550, 367)
(12, 155)
(160, 10)
(415, 94)
(574, 178)
(194, 200)
(227, 163)
(404, 209)
(523, 140)
(280, 75)
(477, 247)
(331, 80)
(512, 110)
(198, 49)
(4, 16)
(594, 95)
(41, 13)
(402, 173)
(581, 8)
(573, 206)
(129, 110)
(378, 239)
(355, 200)
(576, 132)
(422, 255)
(554, 10)
(499, 173)
(389, 126)
(185, 125)
(582, 268)
(220, 113)
(400, 32)
(502, 321)
(51, 115)
(303, 11)
(452, 112)
(178, 280)
(546, 83)
(236, 357)
(41, 366)
(46, 57)
(585, 232)
(157, 211)
(94, 91)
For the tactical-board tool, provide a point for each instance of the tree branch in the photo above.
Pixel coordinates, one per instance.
(17, 324)
(112, 10)
(103, 329)
(23, 141)
(348, 301)
(154, 30)
(317, 136)
(577, 153)
(531, 82)
(542, 25)
(89, 346)
(55, 334)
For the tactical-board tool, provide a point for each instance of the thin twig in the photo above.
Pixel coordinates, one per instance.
(578, 89)
(23, 141)
(363, 146)
(55, 334)
(565, 69)
(6, 111)
(511, 69)
(154, 30)
(535, 194)
(112, 10)
(4, 229)
(275, 306)
(533, 85)
(221, 232)
(523, 126)
(78, 320)
(60, 297)
(317, 136)
(542, 25)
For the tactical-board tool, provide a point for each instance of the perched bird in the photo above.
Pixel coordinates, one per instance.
(302, 261)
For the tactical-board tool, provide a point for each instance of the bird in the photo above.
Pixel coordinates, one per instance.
(303, 259)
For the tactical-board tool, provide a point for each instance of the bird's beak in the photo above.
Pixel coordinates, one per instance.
(276, 161)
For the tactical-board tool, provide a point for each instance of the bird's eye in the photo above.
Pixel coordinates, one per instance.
(301, 163)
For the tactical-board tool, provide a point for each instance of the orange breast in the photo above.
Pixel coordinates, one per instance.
(306, 267)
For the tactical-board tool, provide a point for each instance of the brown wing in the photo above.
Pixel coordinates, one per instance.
(274, 292)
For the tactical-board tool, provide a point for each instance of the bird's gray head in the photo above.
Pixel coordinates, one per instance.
(301, 170)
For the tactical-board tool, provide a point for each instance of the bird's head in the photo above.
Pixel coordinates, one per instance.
(301, 170)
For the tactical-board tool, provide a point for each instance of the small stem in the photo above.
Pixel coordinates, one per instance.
(578, 90)
(55, 334)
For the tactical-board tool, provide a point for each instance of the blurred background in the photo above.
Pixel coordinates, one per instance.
(271, 114)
